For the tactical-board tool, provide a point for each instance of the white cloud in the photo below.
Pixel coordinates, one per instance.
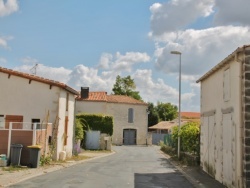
(201, 49)
(4, 43)
(82, 76)
(119, 62)
(177, 14)
(105, 60)
(8, 7)
(54, 73)
(151, 90)
(232, 12)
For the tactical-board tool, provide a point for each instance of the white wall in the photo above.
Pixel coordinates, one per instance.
(33, 101)
(212, 100)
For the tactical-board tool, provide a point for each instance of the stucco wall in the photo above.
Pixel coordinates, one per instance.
(213, 106)
(62, 113)
(18, 97)
(33, 100)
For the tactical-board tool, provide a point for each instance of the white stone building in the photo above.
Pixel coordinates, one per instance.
(29, 98)
(129, 115)
(225, 120)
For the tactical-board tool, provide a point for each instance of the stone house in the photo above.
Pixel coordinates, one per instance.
(129, 115)
(225, 120)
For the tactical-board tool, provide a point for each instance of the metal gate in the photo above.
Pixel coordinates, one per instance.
(157, 137)
(129, 136)
(93, 140)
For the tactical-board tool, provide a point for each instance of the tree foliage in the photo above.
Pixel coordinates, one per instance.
(161, 112)
(166, 111)
(96, 122)
(126, 86)
(153, 117)
(189, 136)
(78, 130)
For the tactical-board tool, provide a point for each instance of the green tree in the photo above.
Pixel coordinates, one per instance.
(189, 135)
(166, 111)
(126, 86)
(153, 117)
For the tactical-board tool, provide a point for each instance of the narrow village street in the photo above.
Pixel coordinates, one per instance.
(130, 166)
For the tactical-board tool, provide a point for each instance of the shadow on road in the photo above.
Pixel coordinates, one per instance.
(171, 179)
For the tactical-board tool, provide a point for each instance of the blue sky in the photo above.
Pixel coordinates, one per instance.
(89, 43)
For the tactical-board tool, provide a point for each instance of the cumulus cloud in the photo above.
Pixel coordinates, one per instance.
(151, 90)
(82, 76)
(119, 62)
(201, 49)
(8, 7)
(232, 12)
(177, 14)
(54, 73)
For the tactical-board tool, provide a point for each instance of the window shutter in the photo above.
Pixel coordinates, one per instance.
(131, 115)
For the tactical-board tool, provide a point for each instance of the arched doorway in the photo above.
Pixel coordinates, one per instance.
(129, 136)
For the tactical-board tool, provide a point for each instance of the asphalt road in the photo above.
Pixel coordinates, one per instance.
(130, 166)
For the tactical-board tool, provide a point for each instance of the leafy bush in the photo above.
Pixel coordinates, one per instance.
(78, 130)
(189, 135)
(96, 122)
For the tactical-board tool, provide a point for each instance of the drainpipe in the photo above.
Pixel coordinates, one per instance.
(74, 127)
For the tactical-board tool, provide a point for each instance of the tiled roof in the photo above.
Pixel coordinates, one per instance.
(38, 79)
(165, 125)
(190, 114)
(124, 99)
(102, 96)
(95, 96)
(223, 62)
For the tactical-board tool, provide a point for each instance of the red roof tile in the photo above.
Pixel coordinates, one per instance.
(124, 99)
(102, 96)
(38, 79)
(95, 96)
(190, 114)
(165, 125)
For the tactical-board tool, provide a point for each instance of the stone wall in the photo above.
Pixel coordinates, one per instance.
(246, 110)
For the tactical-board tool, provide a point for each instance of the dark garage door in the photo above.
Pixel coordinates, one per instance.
(129, 136)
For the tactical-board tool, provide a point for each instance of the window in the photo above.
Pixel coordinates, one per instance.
(37, 121)
(131, 115)
(226, 85)
(2, 121)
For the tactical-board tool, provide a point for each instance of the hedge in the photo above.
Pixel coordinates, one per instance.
(96, 122)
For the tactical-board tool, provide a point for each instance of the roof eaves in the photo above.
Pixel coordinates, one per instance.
(38, 79)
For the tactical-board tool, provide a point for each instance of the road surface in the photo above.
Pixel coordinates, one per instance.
(129, 167)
